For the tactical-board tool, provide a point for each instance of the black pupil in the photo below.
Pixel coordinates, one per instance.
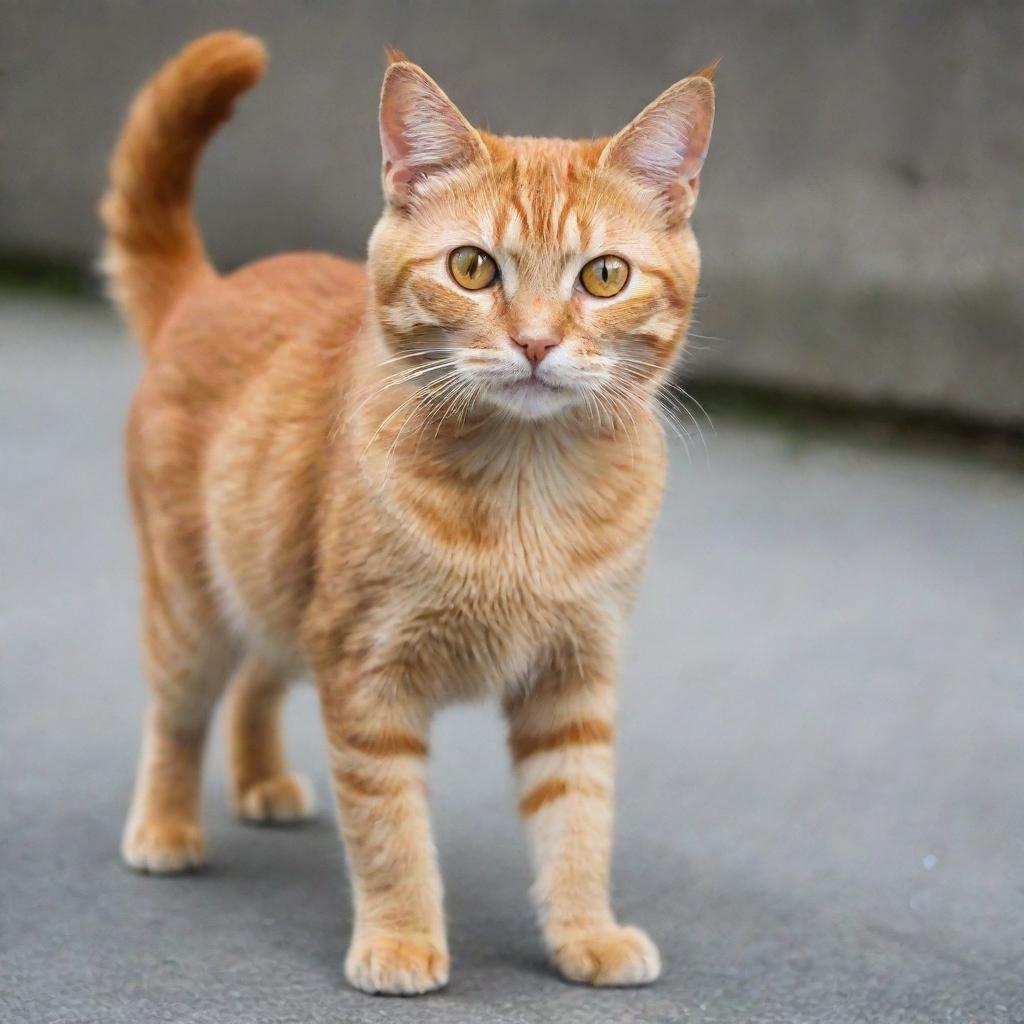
(476, 264)
(604, 271)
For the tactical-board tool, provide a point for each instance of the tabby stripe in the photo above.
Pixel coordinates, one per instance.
(574, 734)
(562, 218)
(517, 205)
(649, 338)
(393, 287)
(500, 223)
(354, 782)
(387, 744)
(554, 789)
(676, 300)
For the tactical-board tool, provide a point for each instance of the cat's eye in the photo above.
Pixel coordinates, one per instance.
(472, 268)
(605, 276)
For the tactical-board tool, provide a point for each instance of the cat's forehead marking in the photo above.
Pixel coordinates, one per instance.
(560, 204)
(541, 197)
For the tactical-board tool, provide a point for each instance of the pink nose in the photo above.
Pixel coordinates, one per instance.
(537, 348)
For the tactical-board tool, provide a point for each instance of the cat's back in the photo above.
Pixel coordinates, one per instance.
(224, 329)
(240, 353)
(292, 316)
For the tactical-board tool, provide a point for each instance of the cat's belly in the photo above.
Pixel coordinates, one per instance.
(261, 542)
(258, 602)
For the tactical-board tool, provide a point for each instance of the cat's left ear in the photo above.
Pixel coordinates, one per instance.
(664, 146)
(422, 133)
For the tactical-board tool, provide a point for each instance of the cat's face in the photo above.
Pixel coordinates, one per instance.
(536, 274)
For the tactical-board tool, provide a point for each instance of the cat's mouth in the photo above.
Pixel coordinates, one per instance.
(531, 397)
(528, 393)
(533, 383)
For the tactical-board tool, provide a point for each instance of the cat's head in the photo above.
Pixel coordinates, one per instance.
(537, 274)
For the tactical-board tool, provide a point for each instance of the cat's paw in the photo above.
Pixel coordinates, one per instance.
(282, 800)
(615, 956)
(163, 846)
(397, 965)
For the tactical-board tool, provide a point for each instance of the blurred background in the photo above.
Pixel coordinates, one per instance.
(862, 211)
(820, 815)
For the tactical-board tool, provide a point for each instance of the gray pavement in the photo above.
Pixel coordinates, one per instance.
(821, 811)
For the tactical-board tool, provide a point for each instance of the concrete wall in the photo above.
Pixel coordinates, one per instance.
(863, 206)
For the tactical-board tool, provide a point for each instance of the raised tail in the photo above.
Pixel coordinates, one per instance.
(154, 252)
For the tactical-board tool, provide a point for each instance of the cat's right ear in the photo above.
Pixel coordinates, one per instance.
(422, 132)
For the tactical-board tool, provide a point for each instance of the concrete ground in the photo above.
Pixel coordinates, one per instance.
(821, 811)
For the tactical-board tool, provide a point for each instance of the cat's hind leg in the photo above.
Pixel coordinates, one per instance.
(263, 789)
(188, 659)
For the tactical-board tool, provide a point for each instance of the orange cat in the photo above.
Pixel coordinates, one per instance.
(425, 480)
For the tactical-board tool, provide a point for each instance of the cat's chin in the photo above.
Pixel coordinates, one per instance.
(531, 398)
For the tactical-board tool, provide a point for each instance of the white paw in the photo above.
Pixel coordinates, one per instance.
(283, 800)
(163, 846)
(615, 956)
(396, 964)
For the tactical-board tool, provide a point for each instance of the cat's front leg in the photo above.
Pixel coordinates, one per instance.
(378, 748)
(560, 735)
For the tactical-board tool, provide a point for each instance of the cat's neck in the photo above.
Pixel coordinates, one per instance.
(400, 438)
(407, 436)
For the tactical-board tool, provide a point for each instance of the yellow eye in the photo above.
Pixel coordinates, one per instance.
(605, 276)
(472, 267)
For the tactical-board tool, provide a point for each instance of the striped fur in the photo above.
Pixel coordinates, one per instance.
(356, 472)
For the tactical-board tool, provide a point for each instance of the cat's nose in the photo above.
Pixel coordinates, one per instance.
(537, 348)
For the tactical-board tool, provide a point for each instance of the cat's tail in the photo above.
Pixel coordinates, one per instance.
(154, 252)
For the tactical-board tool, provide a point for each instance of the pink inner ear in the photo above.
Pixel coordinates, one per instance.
(421, 130)
(665, 145)
(394, 143)
(392, 135)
